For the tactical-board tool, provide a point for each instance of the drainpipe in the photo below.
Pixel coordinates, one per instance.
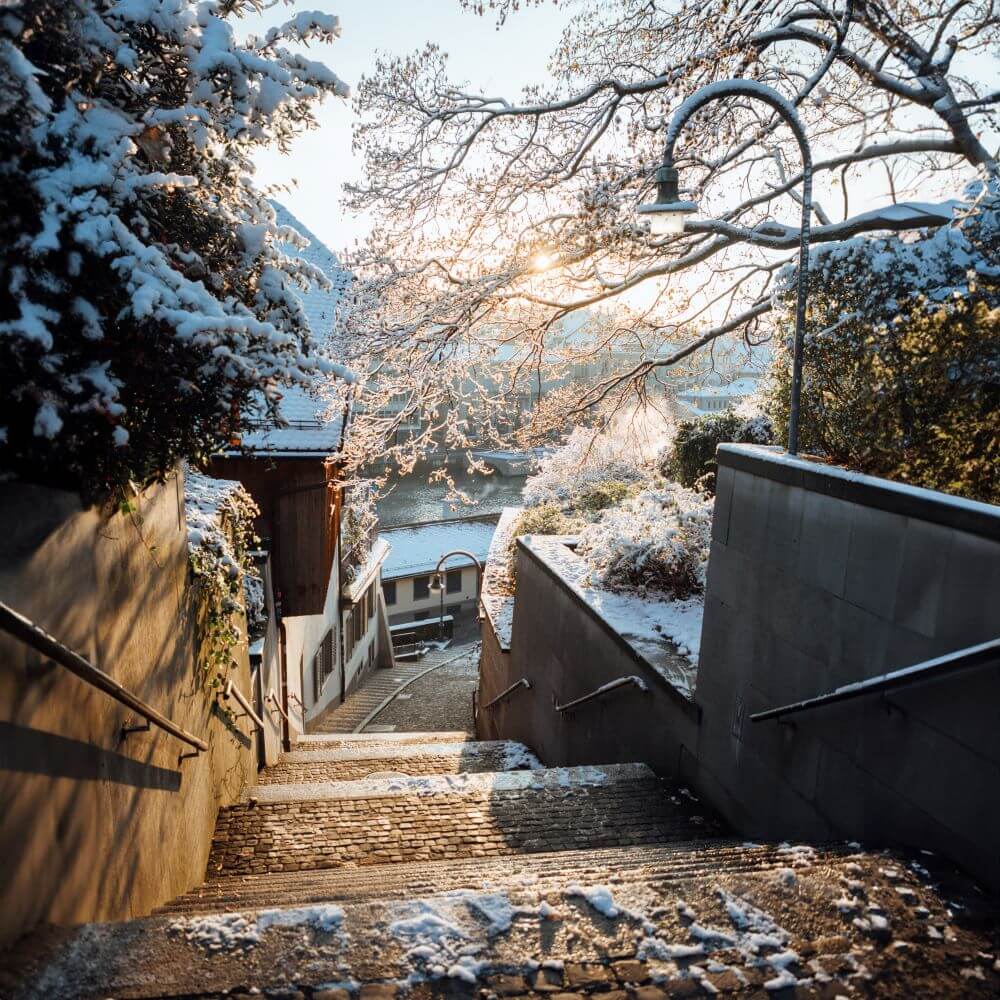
(286, 731)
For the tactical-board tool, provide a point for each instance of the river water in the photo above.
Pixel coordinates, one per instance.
(413, 498)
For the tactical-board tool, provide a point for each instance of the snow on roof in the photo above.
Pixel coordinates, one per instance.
(739, 388)
(314, 430)
(417, 548)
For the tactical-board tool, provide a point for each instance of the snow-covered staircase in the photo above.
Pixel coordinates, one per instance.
(365, 867)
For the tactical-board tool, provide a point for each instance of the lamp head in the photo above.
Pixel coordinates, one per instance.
(436, 583)
(667, 214)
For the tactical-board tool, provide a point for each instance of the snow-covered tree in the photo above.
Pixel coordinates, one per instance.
(499, 216)
(146, 311)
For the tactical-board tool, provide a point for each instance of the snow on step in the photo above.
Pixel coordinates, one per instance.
(515, 752)
(491, 782)
(654, 865)
(763, 931)
(355, 763)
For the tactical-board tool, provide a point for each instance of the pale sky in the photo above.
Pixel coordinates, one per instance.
(500, 62)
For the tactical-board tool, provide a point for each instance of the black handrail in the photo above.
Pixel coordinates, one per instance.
(523, 682)
(602, 691)
(940, 666)
(28, 632)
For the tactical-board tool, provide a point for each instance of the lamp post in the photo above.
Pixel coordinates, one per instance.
(437, 581)
(668, 212)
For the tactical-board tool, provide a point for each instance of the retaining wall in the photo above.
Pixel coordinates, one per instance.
(818, 578)
(566, 650)
(94, 827)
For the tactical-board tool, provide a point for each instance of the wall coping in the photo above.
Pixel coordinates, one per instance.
(950, 511)
(535, 548)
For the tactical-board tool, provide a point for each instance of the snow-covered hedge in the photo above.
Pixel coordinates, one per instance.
(690, 457)
(638, 531)
(902, 359)
(144, 301)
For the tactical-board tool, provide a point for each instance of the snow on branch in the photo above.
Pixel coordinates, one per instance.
(147, 301)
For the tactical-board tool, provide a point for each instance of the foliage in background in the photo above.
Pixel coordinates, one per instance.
(690, 457)
(220, 516)
(146, 311)
(902, 361)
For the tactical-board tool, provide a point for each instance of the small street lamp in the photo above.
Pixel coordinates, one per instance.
(437, 582)
(668, 213)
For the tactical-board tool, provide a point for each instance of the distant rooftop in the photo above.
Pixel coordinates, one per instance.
(312, 431)
(416, 548)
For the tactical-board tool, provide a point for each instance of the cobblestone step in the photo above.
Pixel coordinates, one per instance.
(309, 741)
(617, 866)
(349, 763)
(478, 821)
(822, 925)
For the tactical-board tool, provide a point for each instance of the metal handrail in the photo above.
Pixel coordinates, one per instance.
(603, 690)
(273, 699)
(940, 666)
(28, 632)
(523, 682)
(232, 691)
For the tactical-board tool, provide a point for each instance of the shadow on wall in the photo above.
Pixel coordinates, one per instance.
(96, 825)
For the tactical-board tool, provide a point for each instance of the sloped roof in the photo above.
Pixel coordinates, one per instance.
(314, 430)
(416, 548)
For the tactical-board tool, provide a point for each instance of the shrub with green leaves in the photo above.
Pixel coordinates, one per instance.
(902, 359)
(690, 459)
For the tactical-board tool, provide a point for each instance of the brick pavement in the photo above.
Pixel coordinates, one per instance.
(380, 683)
(294, 836)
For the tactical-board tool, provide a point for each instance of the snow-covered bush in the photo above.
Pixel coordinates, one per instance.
(220, 515)
(902, 359)
(637, 531)
(589, 463)
(690, 458)
(144, 301)
(654, 543)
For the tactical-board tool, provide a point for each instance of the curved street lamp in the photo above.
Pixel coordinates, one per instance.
(437, 581)
(668, 213)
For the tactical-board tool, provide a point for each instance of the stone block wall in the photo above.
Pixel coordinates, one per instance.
(94, 826)
(819, 578)
(566, 650)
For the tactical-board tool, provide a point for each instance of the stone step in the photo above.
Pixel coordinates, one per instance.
(822, 925)
(351, 763)
(309, 741)
(300, 827)
(614, 866)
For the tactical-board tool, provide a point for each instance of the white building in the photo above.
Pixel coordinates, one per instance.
(414, 551)
(709, 398)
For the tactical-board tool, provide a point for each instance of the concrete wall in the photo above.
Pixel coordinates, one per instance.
(91, 826)
(818, 578)
(566, 651)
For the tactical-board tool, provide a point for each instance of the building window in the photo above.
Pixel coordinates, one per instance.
(323, 662)
(453, 584)
(389, 589)
(372, 600)
(421, 587)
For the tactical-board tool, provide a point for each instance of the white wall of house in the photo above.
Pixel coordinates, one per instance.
(405, 605)
(306, 635)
